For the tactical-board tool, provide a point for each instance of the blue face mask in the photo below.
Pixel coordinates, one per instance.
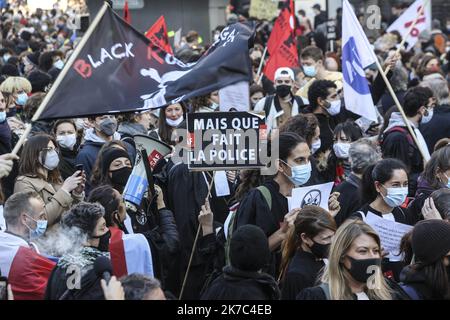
(395, 197)
(22, 99)
(59, 64)
(2, 116)
(309, 71)
(300, 174)
(41, 227)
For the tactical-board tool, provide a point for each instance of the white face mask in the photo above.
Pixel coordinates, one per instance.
(174, 123)
(67, 141)
(341, 150)
(428, 117)
(334, 108)
(51, 160)
(316, 145)
(59, 64)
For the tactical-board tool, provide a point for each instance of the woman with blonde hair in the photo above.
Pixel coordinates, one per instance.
(15, 90)
(354, 267)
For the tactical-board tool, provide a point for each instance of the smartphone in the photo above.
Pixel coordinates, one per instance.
(79, 167)
(3, 288)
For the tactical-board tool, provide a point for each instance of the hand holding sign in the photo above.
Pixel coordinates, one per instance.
(333, 204)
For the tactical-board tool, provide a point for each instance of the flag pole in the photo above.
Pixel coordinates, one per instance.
(61, 76)
(260, 66)
(422, 9)
(399, 107)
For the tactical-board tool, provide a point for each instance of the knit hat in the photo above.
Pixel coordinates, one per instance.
(109, 155)
(249, 248)
(431, 240)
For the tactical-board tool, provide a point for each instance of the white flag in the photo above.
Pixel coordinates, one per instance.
(357, 54)
(404, 22)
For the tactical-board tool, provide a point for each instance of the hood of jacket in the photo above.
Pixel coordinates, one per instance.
(131, 128)
(90, 135)
(396, 120)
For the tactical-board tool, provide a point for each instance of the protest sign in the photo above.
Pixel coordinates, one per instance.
(313, 195)
(390, 233)
(263, 9)
(225, 140)
(235, 96)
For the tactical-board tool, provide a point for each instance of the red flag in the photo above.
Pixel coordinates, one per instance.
(126, 13)
(282, 46)
(158, 35)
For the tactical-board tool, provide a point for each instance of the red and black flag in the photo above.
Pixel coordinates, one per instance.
(117, 69)
(282, 46)
(126, 13)
(158, 35)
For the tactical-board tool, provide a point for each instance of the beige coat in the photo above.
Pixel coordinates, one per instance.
(56, 200)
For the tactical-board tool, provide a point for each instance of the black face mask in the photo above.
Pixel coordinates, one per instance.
(103, 244)
(283, 90)
(360, 268)
(120, 177)
(320, 250)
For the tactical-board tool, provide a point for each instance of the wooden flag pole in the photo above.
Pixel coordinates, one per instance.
(258, 74)
(397, 103)
(61, 76)
(422, 9)
(195, 243)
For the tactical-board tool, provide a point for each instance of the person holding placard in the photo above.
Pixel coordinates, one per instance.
(305, 249)
(267, 206)
(385, 188)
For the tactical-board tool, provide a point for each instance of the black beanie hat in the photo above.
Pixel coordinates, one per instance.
(249, 248)
(9, 70)
(39, 81)
(431, 240)
(34, 57)
(109, 155)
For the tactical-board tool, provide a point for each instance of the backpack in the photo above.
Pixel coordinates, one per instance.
(269, 100)
(231, 226)
(412, 144)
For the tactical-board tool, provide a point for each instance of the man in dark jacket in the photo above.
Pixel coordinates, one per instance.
(398, 143)
(439, 126)
(243, 279)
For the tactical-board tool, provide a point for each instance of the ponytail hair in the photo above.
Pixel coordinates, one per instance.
(311, 220)
(381, 172)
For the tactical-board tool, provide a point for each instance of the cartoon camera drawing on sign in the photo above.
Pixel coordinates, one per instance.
(312, 198)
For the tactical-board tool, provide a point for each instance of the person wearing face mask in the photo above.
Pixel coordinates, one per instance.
(130, 253)
(283, 104)
(267, 206)
(325, 104)
(38, 172)
(439, 126)
(355, 248)
(256, 94)
(312, 62)
(307, 126)
(170, 118)
(428, 275)
(19, 255)
(18, 88)
(362, 154)
(65, 133)
(5, 130)
(103, 130)
(338, 165)
(384, 190)
(305, 248)
(89, 219)
(132, 124)
(396, 141)
(435, 176)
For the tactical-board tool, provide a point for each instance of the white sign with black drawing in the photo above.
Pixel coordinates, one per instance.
(313, 195)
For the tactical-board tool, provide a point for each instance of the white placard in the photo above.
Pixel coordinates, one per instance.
(235, 96)
(390, 233)
(313, 195)
(221, 184)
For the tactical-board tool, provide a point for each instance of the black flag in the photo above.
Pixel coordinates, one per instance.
(119, 70)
